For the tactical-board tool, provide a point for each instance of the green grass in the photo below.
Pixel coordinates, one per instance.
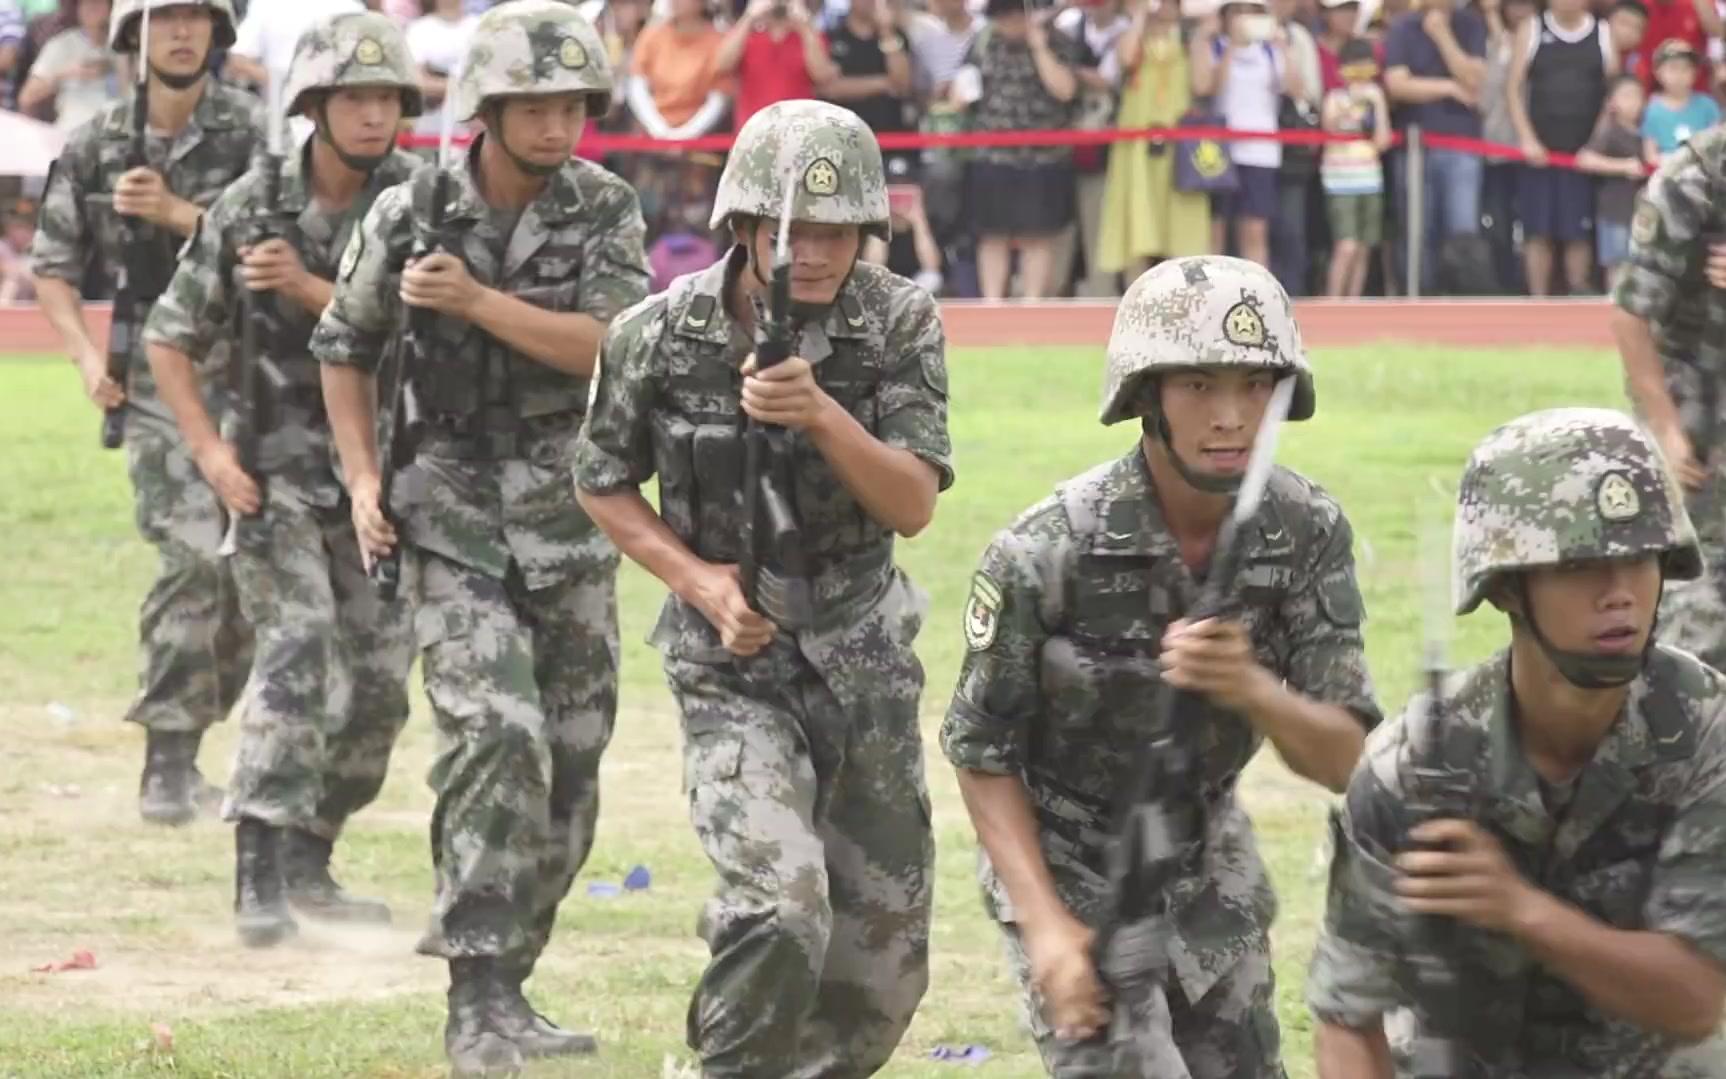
(78, 870)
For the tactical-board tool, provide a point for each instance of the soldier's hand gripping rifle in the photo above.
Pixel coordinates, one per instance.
(782, 593)
(256, 374)
(1161, 819)
(140, 280)
(401, 420)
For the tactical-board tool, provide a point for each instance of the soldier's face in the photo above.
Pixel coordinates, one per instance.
(363, 119)
(543, 128)
(821, 257)
(1604, 606)
(1214, 416)
(180, 38)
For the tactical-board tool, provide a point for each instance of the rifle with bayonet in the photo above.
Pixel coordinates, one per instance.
(1161, 818)
(141, 279)
(782, 591)
(401, 420)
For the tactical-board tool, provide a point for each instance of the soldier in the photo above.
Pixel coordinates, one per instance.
(330, 685)
(802, 757)
(1584, 875)
(1670, 330)
(517, 623)
(1074, 622)
(196, 647)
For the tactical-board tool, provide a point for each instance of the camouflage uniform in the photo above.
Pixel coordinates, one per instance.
(1060, 680)
(1678, 214)
(330, 688)
(803, 763)
(517, 621)
(1634, 840)
(195, 646)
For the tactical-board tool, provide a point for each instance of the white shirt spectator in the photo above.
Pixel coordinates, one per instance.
(440, 45)
(1076, 23)
(1249, 102)
(269, 33)
(938, 50)
(90, 76)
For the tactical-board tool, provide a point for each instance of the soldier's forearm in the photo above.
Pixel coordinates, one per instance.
(1318, 741)
(564, 341)
(1346, 1053)
(65, 311)
(1642, 370)
(644, 538)
(350, 398)
(177, 385)
(1000, 809)
(896, 487)
(313, 293)
(182, 217)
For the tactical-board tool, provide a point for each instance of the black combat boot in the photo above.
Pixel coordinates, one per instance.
(260, 905)
(311, 889)
(473, 1036)
(531, 1031)
(170, 789)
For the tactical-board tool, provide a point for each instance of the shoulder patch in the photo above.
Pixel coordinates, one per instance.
(852, 309)
(982, 612)
(351, 256)
(699, 312)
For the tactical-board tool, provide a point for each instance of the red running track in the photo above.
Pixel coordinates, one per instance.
(1324, 323)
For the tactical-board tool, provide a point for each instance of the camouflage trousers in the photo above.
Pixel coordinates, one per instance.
(804, 772)
(524, 687)
(1229, 1033)
(329, 688)
(195, 646)
(1693, 613)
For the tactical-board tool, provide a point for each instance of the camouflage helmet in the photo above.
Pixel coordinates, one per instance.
(122, 20)
(532, 47)
(1203, 311)
(1566, 485)
(827, 151)
(361, 48)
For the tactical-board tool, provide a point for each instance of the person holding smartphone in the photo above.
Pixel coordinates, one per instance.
(776, 54)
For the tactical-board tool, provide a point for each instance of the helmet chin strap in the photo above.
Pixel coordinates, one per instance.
(1156, 425)
(358, 162)
(180, 82)
(1589, 670)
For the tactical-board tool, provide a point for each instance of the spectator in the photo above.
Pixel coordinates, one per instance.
(1434, 66)
(1678, 111)
(619, 23)
(1018, 76)
(1297, 110)
(1144, 217)
(76, 70)
(874, 79)
(437, 41)
(1615, 154)
(939, 39)
(1252, 73)
(1097, 25)
(16, 284)
(1338, 24)
(11, 52)
(1628, 25)
(1563, 61)
(1352, 174)
(1499, 176)
(776, 54)
(264, 42)
(1694, 22)
(674, 89)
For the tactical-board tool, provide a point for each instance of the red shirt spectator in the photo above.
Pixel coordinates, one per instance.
(776, 55)
(1690, 21)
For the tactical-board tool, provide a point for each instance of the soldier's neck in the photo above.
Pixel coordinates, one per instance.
(171, 109)
(1191, 515)
(333, 184)
(1559, 724)
(501, 184)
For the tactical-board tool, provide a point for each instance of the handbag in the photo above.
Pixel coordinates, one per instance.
(1204, 165)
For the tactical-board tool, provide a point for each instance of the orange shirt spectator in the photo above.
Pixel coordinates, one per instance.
(777, 55)
(675, 62)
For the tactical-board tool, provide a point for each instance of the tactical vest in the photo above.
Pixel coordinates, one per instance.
(475, 385)
(698, 441)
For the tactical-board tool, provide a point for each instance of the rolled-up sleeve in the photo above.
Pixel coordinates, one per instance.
(1327, 656)
(615, 450)
(1685, 895)
(913, 395)
(356, 326)
(1671, 214)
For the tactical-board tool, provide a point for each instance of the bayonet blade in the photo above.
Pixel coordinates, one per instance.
(1264, 453)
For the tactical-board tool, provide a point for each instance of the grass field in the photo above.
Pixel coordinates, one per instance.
(79, 871)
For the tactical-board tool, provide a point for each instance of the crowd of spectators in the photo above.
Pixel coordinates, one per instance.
(1613, 85)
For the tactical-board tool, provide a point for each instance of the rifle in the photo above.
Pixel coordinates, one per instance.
(1161, 818)
(1433, 791)
(135, 254)
(258, 324)
(781, 593)
(414, 329)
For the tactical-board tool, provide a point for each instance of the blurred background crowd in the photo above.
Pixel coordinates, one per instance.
(1589, 94)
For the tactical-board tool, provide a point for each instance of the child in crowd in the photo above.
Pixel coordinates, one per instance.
(1350, 171)
(1615, 154)
(1677, 111)
(1627, 25)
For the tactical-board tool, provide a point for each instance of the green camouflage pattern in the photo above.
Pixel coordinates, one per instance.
(125, 14)
(1640, 846)
(523, 683)
(826, 150)
(361, 48)
(803, 765)
(1566, 485)
(532, 47)
(1681, 210)
(329, 693)
(1202, 311)
(1060, 682)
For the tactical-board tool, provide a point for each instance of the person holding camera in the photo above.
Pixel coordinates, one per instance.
(776, 54)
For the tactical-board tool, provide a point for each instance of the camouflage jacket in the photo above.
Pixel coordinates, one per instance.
(78, 224)
(667, 403)
(1639, 846)
(1678, 213)
(1060, 681)
(490, 484)
(202, 306)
